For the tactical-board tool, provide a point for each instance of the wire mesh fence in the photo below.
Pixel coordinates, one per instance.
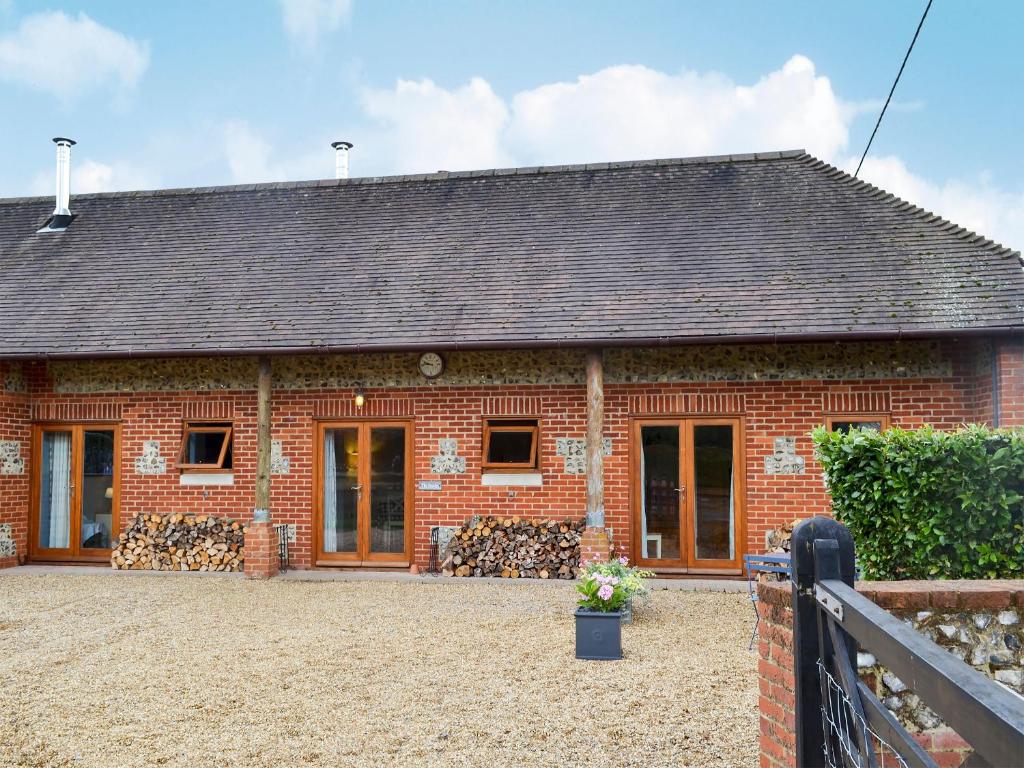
(845, 728)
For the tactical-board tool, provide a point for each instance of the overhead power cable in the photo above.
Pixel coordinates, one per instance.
(893, 89)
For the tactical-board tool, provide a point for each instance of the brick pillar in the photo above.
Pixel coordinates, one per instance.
(261, 554)
(595, 545)
(776, 682)
(1010, 373)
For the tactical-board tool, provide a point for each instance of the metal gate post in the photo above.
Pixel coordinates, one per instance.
(810, 738)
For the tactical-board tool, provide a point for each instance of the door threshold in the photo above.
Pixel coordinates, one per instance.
(361, 566)
(697, 573)
(90, 563)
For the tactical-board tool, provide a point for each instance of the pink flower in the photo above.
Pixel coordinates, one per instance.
(623, 561)
(605, 592)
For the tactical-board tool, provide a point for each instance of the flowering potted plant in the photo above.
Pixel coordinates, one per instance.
(630, 578)
(598, 616)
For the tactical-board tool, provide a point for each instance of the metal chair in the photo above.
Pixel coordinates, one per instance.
(756, 564)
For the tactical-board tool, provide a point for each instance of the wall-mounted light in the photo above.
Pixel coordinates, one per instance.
(360, 398)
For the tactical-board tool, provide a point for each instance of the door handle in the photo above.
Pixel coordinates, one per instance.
(681, 490)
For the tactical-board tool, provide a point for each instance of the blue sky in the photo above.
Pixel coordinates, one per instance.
(190, 93)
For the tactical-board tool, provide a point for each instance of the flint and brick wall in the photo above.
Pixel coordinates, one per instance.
(980, 622)
(781, 392)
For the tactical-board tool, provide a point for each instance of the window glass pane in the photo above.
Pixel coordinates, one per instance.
(55, 491)
(387, 489)
(204, 448)
(341, 489)
(659, 483)
(510, 448)
(846, 426)
(97, 489)
(713, 495)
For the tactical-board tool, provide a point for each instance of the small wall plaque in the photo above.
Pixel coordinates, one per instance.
(429, 485)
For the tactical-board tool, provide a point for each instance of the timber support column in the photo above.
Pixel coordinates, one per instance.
(261, 554)
(595, 544)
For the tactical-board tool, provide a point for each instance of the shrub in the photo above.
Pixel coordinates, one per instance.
(926, 504)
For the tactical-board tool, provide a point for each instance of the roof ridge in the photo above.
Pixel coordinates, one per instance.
(438, 176)
(905, 206)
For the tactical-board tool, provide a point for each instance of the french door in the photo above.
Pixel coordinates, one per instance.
(75, 471)
(688, 493)
(363, 493)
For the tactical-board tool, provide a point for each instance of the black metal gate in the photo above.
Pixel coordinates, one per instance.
(839, 720)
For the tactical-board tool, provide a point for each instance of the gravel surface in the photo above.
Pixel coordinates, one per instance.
(104, 671)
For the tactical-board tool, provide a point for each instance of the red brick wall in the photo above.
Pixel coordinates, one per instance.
(1010, 367)
(14, 489)
(770, 409)
(776, 683)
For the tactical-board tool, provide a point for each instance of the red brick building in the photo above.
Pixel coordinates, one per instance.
(429, 339)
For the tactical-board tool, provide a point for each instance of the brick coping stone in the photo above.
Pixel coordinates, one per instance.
(920, 595)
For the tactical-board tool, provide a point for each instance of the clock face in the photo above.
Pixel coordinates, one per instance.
(431, 364)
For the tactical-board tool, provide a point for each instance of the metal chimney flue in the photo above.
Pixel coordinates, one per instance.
(341, 149)
(62, 207)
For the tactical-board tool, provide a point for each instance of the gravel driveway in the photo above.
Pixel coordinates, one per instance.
(110, 671)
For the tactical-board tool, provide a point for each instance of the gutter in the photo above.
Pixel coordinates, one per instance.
(583, 343)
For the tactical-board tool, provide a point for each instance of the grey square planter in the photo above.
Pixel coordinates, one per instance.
(598, 635)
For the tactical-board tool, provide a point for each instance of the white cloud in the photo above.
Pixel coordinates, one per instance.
(622, 112)
(422, 126)
(306, 21)
(89, 175)
(68, 56)
(249, 155)
(634, 112)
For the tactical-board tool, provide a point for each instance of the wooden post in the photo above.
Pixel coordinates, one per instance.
(595, 439)
(810, 735)
(261, 513)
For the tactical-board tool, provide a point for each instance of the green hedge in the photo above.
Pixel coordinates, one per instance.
(926, 504)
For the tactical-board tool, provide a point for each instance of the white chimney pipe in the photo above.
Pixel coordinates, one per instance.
(63, 176)
(341, 149)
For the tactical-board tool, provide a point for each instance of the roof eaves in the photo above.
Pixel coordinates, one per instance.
(903, 206)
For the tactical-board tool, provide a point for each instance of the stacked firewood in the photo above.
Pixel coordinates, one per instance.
(515, 548)
(180, 543)
(777, 540)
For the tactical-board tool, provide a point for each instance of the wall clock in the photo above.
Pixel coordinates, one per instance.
(431, 365)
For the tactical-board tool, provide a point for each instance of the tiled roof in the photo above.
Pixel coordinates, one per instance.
(770, 246)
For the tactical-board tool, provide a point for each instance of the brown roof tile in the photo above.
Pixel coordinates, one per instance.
(756, 246)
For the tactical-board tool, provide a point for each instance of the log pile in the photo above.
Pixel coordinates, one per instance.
(515, 548)
(180, 543)
(777, 542)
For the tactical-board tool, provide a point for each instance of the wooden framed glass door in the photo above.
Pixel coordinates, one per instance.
(363, 492)
(688, 493)
(75, 482)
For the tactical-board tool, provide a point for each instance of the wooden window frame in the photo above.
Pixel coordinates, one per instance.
(494, 424)
(881, 418)
(191, 427)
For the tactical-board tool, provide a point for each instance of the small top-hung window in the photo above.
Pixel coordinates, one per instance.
(876, 422)
(205, 446)
(511, 444)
